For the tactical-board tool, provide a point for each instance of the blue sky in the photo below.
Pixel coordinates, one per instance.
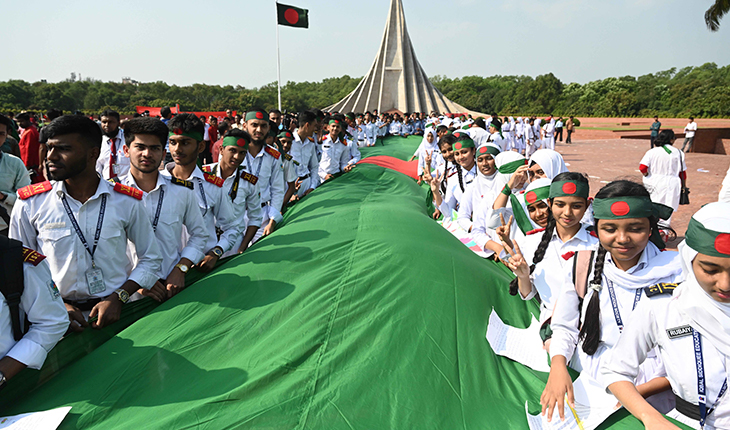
(234, 42)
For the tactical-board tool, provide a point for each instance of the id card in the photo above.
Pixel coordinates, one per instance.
(116, 169)
(95, 281)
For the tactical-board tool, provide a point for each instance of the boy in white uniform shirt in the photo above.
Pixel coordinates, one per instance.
(82, 224)
(170, 204)
(186, 143)
(303, 150)
(284, 142)
(335, 154)
(240, 186)
(111, 162)
(264, 162)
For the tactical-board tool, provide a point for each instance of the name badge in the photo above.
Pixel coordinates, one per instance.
(95, 281)
(116, 169)
(676, 332)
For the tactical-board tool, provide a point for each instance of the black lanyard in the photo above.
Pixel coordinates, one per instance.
(202, 194)
(79, 233)
(701, 387)
(157, 212)
(614, 304)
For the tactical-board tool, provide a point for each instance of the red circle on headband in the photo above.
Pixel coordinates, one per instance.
(531, 197)
(457, 145)
(483, 150)
(259, 115)
(569, 188)
(722, 243)
(178, 131)
(241, 143)
(620, 208)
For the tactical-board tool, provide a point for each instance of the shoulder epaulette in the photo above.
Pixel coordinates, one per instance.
(32, 257)
(130, 191)
(182, 182)
(213, 179)
(535, 231)
(568, 255)
(663, 288)
(273, 152)
(207, 169)
(34, 190)
(114, 180)
(250, 177)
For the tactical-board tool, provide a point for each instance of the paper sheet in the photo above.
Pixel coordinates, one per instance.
(592, 406)
(46, 420)
(454, 228)
(521, 345)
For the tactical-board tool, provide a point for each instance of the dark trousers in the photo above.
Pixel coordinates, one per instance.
(567, 139)
(559, 134)
(652, 139)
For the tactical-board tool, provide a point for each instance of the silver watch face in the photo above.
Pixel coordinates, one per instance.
(183, 268)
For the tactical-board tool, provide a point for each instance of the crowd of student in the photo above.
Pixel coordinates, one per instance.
(129, 207)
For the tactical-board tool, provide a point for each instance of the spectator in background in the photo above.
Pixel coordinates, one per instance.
(166, 114)
(215, 151)
(275, 116)
(206, 157)
(570, 126)
(30, 146)
(13, 176)
(655, 127)
(213, 129)
(111, 162)
(559, 129)
(689, 134)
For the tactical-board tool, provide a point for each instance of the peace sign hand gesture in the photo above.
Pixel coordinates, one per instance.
(505, 230)
(516, 262)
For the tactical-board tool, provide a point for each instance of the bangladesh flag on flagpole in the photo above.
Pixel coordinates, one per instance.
(292, 16)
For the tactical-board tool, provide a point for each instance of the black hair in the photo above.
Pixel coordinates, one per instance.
(665, 137)
(223, 126)
(145, 125)
(442, 129)
(549, 229)
(450, 140)
(590, 331)
(307, 116)
(8, 122)
(186, 122)
(53, 113)
(237, 132)
(68, 124)
(277, 111)
(109, 114)
(22, 116)
(166, 111)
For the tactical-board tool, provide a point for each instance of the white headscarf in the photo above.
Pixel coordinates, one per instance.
(495, 181)
(710, 317)
(506, 157)
(661, 265)
(550, 161)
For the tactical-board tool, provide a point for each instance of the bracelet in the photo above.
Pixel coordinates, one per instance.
(506, 190)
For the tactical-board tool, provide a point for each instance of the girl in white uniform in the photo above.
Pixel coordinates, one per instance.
(664, 171)
(542, 262)
(456, 182)
(487, 184)
(429, 146)
(690, 330)
(546, 163)
(628, 261)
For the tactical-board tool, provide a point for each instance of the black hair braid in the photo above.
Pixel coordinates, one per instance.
(461, 178)
(590, 332)
(446, 174)
(539, 252)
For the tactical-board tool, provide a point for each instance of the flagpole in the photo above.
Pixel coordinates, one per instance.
(278, 60)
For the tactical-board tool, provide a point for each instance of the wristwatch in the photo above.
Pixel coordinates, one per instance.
(183, 268)
(123, 295)
(2, 380)
(217, 251)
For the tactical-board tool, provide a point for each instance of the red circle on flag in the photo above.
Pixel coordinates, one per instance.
(241, 143)
(291, 16)
(722, 243)
(259, 115)
(569, 188)
(620, 208)
(531, 197)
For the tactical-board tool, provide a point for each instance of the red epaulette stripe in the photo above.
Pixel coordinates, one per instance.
(207, 169)
(32, 257)
(273, 152)
(568, 255)
(213, 179)
(34, 189)
(535, 231)
(127, 190)
(593, 233)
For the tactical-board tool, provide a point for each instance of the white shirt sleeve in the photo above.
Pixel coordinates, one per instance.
(44, 308)
(194, 249)
(566, 320)
(139, 231)
(465, 211)
(277, 191)
(227, 221)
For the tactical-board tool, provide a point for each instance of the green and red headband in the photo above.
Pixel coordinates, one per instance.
(463, 140)
(512, 166)
(706, 241)
(334, 121)
(286, 135)
(531, 197)
(569, 189)
(238, 141)
(488, 149)
(192, 134)
(534, 196)
(629, 207)
(256, 114)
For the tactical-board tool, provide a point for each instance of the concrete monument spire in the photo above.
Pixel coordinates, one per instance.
(396, 80)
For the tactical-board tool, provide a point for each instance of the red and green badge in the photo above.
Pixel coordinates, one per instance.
(706, 241)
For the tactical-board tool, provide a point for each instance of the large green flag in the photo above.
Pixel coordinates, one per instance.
(292, 16)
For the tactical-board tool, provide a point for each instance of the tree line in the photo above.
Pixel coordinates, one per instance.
(703, 92)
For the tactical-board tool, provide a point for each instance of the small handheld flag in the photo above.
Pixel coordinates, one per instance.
(291, 16)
